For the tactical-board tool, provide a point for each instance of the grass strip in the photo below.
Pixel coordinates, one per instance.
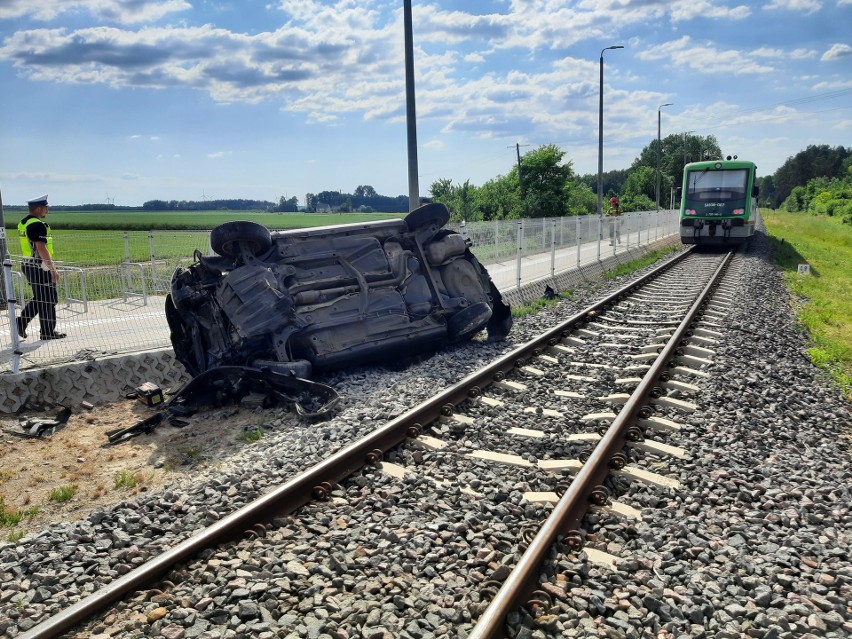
(822, 296)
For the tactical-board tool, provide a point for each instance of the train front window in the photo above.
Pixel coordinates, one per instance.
(721, 186)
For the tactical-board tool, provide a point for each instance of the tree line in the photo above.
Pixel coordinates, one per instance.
(364, 199)
(817, 179)
(828, 189)
(818, 163)
(542, 184)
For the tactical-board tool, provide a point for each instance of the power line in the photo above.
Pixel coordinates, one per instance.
(795, 102)
(785, 116)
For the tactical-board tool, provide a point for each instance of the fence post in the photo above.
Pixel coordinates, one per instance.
(600, 235)
(463, 230)
(497, 240)
(126, 247)
(520, 249)
(638, 229)
(10, 307)
(553, 248)
(578, 234)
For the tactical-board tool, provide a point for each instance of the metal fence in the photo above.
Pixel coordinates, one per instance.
(113, 302)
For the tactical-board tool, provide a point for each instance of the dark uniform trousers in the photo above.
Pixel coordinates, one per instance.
(44, 299)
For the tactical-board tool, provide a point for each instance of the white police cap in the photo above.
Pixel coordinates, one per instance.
(38, 201)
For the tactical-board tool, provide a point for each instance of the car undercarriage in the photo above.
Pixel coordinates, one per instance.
(301, 301)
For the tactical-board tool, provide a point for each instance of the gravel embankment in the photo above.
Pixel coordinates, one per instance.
(755, 544)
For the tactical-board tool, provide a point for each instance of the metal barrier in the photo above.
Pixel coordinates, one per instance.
(65, 272)
(128, 290)
(19, 284)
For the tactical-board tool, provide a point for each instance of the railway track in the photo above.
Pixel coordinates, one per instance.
(481, 481)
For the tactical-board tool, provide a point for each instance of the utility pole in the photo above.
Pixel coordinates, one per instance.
(3, 252)
(410, 114)
(518, 146)
(685, 133)
(659, 144)
(600, 139)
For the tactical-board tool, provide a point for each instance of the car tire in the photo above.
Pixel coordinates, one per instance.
(227, 238)
(468, 321)
(432, 213)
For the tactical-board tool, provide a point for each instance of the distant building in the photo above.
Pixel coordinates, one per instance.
(322, 207)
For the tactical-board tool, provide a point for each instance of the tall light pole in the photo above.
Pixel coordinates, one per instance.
(410, 112)
(659, 144)
(685, 134)
(600, 139)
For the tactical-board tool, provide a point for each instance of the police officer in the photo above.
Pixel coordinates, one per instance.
(40, 270)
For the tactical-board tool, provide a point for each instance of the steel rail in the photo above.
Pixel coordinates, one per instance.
(317, 481)
(574, 503)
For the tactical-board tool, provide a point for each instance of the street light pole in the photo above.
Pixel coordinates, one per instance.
(659, 144)
(685, 134)
(410, 111)
(600, 147)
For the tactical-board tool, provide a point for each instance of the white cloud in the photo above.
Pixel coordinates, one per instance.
(683, 10)
(836, 52)
(838, 85)
(781, 54)
(218, 155)
(708, 59)
(803, 54)
(806, 6)
(120, 11)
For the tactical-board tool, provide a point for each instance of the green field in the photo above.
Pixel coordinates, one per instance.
(197, 220)
(824, 298)
(91, 238)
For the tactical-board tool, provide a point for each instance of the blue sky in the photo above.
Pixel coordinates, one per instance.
(133, 100)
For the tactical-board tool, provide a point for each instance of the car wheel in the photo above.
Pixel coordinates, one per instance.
(468, 321)
(432, 213)
(227, 238)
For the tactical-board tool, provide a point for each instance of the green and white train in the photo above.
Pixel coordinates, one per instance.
(719, 202)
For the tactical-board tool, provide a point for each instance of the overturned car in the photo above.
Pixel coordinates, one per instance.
(296, 302)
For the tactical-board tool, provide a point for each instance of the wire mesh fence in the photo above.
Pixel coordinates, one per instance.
(112, 293)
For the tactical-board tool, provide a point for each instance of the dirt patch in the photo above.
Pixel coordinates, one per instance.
(75, 456)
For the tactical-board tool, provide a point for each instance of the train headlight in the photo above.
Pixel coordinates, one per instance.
(690, 211)
(739, 211)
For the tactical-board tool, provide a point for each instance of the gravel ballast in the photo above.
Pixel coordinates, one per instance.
(755, 543)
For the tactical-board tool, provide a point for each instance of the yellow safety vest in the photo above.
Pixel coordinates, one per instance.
(27, 249)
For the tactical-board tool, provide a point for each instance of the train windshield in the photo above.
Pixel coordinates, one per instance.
(728, 184)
